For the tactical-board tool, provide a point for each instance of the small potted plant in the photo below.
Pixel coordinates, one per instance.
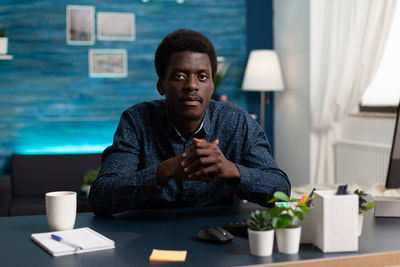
(261, 233)
(89, 178)
(3, 41)
(363, 207)
(223, 65)
(283, 215)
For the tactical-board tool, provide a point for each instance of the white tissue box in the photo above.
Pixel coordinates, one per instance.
(335, 220)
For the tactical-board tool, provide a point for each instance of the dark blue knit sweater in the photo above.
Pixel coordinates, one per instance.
(145, 137)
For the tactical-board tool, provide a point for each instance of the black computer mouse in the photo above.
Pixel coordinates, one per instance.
(214, 234)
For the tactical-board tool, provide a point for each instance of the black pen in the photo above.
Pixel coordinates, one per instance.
(310, 197)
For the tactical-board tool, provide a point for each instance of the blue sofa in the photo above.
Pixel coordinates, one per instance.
(23, 193)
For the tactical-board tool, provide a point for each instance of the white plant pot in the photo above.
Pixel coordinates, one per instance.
(3, 45)
(261, 243)
(288, 240)
(360, 223)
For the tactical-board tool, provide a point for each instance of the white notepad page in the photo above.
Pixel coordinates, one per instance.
(85, 237)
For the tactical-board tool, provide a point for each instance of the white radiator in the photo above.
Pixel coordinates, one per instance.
(361, 162)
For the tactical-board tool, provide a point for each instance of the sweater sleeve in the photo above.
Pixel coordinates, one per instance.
(260, 176)
(121, 183)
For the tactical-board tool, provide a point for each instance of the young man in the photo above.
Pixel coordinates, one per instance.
(186, 150)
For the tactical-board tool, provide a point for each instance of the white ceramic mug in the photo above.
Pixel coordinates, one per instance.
(61, 210)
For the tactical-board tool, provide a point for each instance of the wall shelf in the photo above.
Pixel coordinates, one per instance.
(6, 57)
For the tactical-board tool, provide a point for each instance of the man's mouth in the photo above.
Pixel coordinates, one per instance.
(191, 100)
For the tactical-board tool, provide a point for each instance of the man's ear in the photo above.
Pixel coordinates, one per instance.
(160, 87)
(213, 88)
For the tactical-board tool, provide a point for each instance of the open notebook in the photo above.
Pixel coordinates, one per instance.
(86, 238)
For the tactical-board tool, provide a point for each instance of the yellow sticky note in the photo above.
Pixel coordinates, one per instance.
(168, 255)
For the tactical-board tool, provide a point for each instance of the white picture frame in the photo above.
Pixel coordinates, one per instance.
(108, 63)
(116, 26)
(80, 25)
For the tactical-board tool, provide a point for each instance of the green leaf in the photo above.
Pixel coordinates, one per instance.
(363, 205)
(301, 204)
(282, 216)
(281, 196)
(305, 208)
(369, 206)
(2, 32)
(299, 215)
(282, 221)
(260, 221)
(91, 175)
(275, 211)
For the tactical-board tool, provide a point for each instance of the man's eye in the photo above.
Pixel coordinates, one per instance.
(180, 76)
(203, 77)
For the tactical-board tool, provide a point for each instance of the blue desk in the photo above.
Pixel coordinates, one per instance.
(136, 233)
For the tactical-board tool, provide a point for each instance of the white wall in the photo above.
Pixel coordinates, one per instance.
(292, 107)
(368, 129)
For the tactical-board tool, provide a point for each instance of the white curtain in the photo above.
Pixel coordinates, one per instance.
(347, 41)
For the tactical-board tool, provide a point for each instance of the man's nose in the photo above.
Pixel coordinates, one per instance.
(192, 83)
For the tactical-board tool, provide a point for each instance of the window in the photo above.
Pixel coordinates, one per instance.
(383, 94)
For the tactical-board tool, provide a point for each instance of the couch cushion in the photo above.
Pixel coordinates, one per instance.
(5, 194)
(34, 175)
(22, 206)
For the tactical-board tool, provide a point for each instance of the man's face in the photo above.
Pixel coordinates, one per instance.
(187, 86)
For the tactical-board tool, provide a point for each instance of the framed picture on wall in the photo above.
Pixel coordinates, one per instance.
(114, 26)
(80, 25)
(108, 63)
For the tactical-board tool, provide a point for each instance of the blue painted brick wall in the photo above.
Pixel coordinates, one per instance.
(48, 103)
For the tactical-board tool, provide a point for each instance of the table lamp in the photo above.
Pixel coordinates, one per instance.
(263, 73)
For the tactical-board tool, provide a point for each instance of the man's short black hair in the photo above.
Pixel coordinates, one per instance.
(179, 41)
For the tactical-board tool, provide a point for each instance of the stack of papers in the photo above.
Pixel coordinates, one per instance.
(87, 239)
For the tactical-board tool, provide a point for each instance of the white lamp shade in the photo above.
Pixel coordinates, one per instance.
(263, 72)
